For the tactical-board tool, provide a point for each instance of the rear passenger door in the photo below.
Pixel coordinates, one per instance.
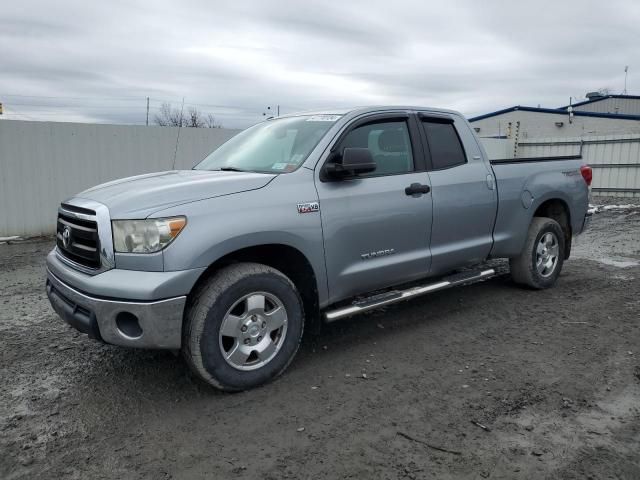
(464, 199)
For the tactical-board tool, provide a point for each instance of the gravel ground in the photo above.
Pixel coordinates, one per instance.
(483, 381)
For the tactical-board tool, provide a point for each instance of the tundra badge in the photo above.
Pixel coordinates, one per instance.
(379, 253)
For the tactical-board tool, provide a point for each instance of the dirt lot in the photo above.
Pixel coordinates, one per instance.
(554, 376)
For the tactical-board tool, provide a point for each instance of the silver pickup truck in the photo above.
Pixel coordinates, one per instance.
(300, 219)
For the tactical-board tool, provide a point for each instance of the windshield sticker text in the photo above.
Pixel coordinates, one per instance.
(323, 118)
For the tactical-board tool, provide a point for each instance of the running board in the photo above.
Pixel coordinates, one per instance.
(401, 295)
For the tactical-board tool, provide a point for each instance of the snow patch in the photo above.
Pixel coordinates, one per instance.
(622, 263)
(603, 208)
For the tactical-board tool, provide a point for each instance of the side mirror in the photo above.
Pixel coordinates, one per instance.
(353, 161)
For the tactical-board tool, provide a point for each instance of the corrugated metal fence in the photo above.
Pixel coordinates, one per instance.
(42, 163)
(615, 159)
(498, 147)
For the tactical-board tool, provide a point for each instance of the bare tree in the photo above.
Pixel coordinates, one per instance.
(176, 117)
(210, 122)
(194, 119)
(170, 117)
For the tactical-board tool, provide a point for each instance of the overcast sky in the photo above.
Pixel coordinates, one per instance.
(69, 60)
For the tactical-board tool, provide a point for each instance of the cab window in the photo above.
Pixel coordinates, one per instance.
(389, 144)
(444, 145)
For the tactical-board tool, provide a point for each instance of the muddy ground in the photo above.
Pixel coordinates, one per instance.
(554, 376)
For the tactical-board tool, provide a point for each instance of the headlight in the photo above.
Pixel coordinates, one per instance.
(145, 236)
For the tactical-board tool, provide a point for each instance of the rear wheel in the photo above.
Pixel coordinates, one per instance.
(541, 260)
(243, 327)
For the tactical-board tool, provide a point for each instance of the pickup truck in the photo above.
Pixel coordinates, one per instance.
(302, 219)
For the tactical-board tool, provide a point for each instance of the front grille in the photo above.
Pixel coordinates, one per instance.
(82, 244)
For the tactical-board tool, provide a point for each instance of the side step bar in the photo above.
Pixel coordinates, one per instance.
(401, 295)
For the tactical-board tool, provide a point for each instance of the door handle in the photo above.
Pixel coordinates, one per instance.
(417, 189)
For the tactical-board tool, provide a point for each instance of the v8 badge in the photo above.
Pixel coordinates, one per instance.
(309, 207)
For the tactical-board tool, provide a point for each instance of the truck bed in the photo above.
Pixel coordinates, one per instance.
(524, 185)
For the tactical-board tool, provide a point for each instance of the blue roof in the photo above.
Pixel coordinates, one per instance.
(559, 111)
(598, 99)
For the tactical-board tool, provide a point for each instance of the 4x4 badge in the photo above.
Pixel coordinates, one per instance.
(308, 207)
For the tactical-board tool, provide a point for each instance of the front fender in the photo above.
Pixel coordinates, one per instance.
(219, 226)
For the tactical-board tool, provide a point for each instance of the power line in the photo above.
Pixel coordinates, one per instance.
(142, 103)
(122, 108)
(128, 98)
(49, 105)
(141, 97)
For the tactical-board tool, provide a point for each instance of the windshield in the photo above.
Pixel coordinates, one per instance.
(275, 146)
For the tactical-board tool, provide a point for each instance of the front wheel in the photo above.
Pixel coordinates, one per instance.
(541, 260)
(243, 327)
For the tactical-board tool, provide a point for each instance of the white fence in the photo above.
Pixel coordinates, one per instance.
(42, 163)
(615, 159)
(498, 147)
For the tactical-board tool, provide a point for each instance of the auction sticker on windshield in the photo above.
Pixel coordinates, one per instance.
(323, 118)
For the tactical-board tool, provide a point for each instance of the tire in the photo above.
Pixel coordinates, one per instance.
(541, 260)
(229, 303)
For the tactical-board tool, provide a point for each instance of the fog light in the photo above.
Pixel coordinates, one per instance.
(128, 325)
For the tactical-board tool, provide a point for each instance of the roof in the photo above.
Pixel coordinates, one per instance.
(560, 111)
(598, 99)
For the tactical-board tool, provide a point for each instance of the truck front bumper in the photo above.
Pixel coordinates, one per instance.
(131, 324)
(88, 304)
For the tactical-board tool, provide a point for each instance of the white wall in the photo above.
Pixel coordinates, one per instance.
(42, 163)
(536, 125)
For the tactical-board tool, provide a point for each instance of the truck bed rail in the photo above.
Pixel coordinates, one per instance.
(501, 161)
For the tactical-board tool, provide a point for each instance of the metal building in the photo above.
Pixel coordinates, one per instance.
(617, 104)
(599, 115)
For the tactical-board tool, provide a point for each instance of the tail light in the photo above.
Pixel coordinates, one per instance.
(587, 174)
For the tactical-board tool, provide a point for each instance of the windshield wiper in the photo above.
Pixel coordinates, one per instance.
(231, 169)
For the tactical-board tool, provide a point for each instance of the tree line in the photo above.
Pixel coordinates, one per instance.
(177, 117)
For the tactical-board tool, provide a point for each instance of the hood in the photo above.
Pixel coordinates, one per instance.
(140, 196)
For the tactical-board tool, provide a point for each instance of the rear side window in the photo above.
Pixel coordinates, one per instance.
(444, 145)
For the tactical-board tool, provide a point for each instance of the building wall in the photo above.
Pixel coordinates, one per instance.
(537, 124)
(627, 106)
(42, 163)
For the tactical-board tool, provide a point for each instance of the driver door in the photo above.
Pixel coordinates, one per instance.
(376, 232)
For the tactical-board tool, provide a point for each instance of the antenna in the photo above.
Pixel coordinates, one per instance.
(626, 71)
(173, 166)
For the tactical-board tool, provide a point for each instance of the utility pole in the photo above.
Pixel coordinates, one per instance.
(147, 111)
(626, 70)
